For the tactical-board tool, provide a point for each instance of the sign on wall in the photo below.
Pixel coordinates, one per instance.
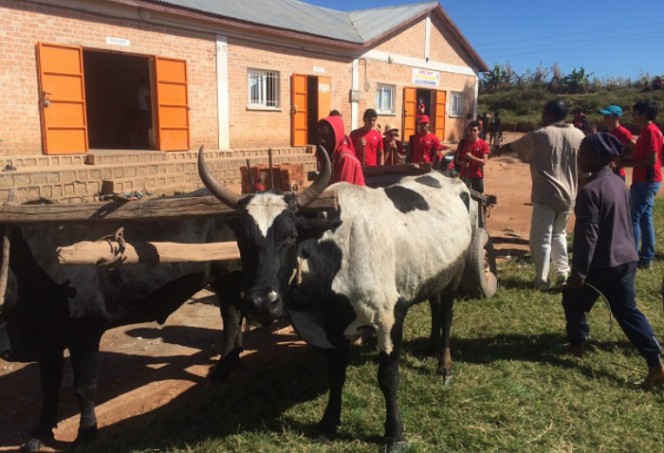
(424, 77)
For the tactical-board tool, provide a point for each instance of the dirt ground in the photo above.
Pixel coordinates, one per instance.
(145, 366)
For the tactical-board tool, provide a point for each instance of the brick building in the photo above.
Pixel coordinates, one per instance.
(83, 79)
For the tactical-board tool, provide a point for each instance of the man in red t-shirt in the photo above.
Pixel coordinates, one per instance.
(471, 158)
(612, 115)
(367, 141)
(424, 146)
(646, 179)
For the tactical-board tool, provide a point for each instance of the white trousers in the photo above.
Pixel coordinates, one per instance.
(548, 241)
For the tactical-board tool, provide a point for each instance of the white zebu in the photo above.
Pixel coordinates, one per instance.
(388, 249)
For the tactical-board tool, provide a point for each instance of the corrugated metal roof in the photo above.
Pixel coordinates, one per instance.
(371, 23)
(284, 14)
(356, 27)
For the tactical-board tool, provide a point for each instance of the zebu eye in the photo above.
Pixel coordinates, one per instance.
(291, 239)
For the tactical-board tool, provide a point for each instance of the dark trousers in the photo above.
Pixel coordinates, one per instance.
(617, 284)
(477, 184)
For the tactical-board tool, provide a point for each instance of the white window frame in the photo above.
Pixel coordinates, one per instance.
(456, 103)
(267, 96)
(381, 88)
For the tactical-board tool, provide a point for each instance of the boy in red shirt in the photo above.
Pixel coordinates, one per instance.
(612, 115)
(345, 164)
(646, 179)
(424, 146)
(367, 141)
(471, 158)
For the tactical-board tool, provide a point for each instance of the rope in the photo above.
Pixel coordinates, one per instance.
(118, 252)
(606, 301)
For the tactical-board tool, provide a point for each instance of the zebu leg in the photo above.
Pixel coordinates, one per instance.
(445, 358)
(337, 363)
(50, 374)
(85, 363)
(435, 340)
(228, 288)
(388, 380)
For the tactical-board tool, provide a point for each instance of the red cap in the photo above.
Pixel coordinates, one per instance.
(423, 119)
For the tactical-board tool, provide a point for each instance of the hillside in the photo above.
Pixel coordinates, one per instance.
(520, 109)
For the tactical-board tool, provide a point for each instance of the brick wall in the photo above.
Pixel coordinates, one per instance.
(444, 47)
(258, 128)
(26, 24)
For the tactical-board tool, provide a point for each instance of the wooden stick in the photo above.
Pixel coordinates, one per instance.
(154, 209)
(101, 252)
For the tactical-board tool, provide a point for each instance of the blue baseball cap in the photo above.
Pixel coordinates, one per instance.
(612, 110)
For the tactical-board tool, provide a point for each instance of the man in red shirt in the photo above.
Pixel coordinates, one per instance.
(471, 157)
(367, 141)
(646, 179)
(424, 146)
(345, 165)
(612, 115)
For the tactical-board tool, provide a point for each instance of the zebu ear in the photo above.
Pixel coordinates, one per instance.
(314, 228)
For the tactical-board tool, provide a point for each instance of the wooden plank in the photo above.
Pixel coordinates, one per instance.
(100, 252)
(146, 210)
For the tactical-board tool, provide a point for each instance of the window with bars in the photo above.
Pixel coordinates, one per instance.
(456, 101)
(385, 98)
(263, 88)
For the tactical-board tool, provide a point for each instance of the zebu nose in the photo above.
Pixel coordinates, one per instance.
(263, 307)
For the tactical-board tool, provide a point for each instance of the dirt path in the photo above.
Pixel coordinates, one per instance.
(146, 366)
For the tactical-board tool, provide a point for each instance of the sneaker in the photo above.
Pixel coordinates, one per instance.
(561, 280)
(644, 265)
(576, 351)
(540, 285)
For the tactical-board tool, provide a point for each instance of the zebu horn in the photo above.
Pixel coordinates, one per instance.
(4, 262)
(318, 186)
(224, 194)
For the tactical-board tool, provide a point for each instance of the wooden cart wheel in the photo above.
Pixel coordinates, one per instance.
(479, 278)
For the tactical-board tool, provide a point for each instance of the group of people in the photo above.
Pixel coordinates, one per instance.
(367, 147)
(613, 234)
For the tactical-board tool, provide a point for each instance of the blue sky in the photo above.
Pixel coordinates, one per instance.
(614, 39)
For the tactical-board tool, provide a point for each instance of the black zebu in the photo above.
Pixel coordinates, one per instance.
(51, 307)
(389, 248)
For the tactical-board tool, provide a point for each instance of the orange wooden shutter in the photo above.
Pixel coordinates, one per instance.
(299, 110)
(324, 96)
(409, 112)
(62, 99)
(171, 104)
(439, 114)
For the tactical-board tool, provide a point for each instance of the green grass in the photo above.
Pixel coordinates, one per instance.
(521, 109)
(513, 392)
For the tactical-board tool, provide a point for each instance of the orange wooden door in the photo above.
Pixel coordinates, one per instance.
(62, 99)
(299, 101)
(324, 96)
(440, 114)
(171, 104)
(409, 112)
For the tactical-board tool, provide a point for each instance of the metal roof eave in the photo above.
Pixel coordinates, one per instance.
(246, 26)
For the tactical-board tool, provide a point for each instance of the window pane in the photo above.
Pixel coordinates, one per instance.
(263, 88)
(385, 98)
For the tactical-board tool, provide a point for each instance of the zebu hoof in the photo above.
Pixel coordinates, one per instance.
(223, 369)
(322, 439)
(32, 445)
(86, 436)
(399, 446)
(323, 434)
(446, 375)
